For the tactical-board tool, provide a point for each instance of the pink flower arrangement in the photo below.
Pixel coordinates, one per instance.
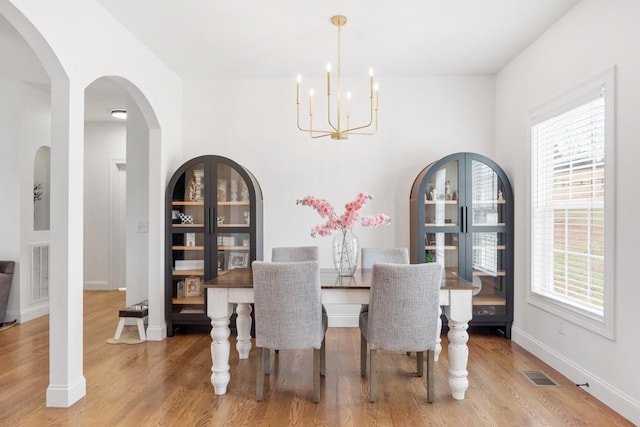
(347, 220)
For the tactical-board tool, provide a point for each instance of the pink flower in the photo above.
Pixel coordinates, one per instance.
(347, 220)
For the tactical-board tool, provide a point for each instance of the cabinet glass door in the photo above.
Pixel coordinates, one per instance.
(442, 217)
(233, 219)
(488, 241)
(188, 241)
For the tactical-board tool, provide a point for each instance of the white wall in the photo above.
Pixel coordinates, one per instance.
(104, 142)
(253, 123)
(591, 38)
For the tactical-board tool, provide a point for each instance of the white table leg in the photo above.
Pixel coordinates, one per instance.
(459, 312)
(243, 325)
(219, 311)
(220, 349)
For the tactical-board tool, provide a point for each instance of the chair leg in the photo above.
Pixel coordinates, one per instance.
(420, 362)
(316, 375)
(260, 375)
(363, 356)
(373, 374)
(430, 379)
(323, 358)
(266, 360)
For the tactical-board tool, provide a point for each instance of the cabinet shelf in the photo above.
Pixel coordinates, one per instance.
(489, 300)
(233, 248)
(489, 202)
(187, 272)
(188, 225)
(187, 203)
(441, 202)
(431, 224)
(190, 301)
(188, 248)
(234, 203)
(485, 274)
(234, 225)
(445, 247)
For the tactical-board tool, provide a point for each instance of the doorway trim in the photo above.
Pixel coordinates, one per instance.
(116, 244)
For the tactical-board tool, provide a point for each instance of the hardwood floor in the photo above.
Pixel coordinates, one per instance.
(168, 384)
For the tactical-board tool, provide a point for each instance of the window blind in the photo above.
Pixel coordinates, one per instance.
(568, 217)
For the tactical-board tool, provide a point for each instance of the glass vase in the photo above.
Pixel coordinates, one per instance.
(345, 252)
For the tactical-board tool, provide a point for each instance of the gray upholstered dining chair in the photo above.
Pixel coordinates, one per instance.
(402, 316)
(288, 313)
(295, 254)
(370, 256)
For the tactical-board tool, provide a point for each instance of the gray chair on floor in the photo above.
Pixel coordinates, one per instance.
(288, 313)
(402, 316)
(6, 276)
(295, 254)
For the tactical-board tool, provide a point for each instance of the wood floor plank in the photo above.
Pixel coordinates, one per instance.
(168, 383)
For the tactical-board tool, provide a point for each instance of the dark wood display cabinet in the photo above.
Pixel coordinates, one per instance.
(462, 217)
(213, 223)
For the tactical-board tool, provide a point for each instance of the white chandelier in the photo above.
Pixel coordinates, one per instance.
(336, 131)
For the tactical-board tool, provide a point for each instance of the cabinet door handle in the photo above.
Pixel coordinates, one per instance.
(462, 218)
(212, 222)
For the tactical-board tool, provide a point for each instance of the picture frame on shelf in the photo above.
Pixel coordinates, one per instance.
(192, 286)
(238, 260)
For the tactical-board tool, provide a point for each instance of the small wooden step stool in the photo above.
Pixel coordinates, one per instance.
(137, 311)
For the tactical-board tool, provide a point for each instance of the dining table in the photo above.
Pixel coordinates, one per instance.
(233, 290)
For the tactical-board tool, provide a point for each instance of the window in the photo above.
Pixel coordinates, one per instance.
(571, 200)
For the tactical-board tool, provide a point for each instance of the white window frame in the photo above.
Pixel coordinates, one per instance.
(603, 325)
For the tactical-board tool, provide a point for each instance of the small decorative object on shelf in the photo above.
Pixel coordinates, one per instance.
(190, 239)
(244, 192)
(234, 190)
(220, 220)
(500, 196)
(185, 219)
(345, 244)
(192, 285)
(222, 190)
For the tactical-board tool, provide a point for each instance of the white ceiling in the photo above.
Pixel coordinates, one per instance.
(283, 38)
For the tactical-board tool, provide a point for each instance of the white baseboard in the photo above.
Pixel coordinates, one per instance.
(63, 396)
(617, 400)
(29, 313)
(97, 285)
(343, 320)
(157, 333)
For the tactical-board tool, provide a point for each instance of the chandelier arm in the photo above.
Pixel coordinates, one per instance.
(311, 130)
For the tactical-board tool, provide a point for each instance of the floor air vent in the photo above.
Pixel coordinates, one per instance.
(538, 378)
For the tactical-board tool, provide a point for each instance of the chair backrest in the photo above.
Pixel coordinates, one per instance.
(403, 306)
(370, 256)
(288, 305)
(295, 254)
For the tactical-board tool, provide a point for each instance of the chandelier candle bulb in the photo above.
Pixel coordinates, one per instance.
(348, 105)
(298, 90)
(311, 102)
(370, 82)
(328, 78)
